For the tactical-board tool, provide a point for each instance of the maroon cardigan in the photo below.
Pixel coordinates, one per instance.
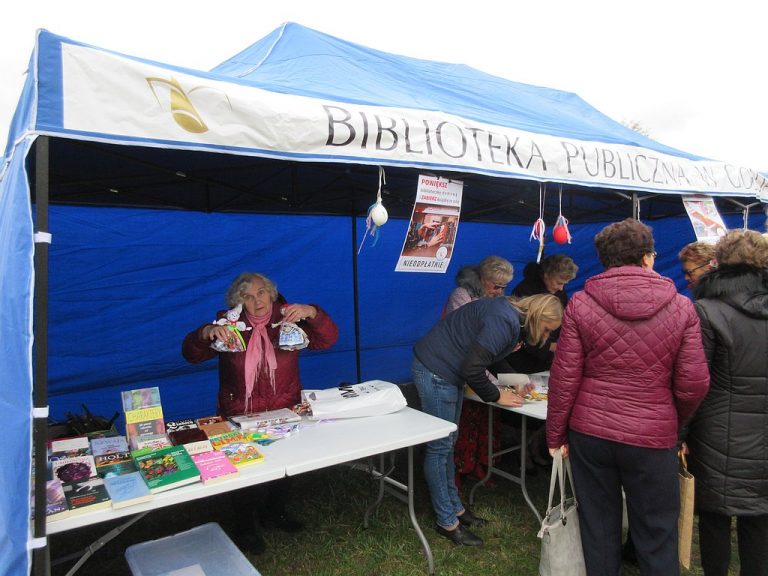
(322, 333)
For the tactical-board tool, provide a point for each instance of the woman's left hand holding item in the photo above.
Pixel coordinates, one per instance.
(297, 312)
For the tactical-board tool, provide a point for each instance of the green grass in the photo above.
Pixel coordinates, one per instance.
(332, 502)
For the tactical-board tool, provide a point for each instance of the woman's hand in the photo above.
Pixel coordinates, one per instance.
(215, 332)
(563, 450)
(297, 312)
(509, 397)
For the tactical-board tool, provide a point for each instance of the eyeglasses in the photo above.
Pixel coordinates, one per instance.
(500, 286)
(689, 271)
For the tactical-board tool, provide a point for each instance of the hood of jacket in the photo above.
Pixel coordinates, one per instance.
(742, 287)
(630, 292)
(469, 278)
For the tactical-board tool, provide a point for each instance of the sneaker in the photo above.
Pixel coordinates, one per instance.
(460, 536)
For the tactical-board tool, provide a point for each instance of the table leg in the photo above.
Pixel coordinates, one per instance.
(412, 513)
(523, 458)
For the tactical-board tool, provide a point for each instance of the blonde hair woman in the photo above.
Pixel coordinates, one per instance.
(458, 350)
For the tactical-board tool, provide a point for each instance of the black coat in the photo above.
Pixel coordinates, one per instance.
(728, 435)
(530, 359)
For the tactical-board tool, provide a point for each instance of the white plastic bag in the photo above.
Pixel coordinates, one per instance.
(371, 398)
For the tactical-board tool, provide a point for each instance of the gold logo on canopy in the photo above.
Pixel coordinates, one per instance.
(183, 111)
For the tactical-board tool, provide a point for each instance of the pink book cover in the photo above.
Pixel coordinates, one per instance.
(214, 466)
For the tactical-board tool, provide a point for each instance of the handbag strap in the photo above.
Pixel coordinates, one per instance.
(561, 468)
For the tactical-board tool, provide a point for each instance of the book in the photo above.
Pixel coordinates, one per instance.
(209, 420)
(140, 398)
(220, 440)
(114, 464)
(108, 444)
(214, 466)
(242, 453)
(151, 441)
(215, 428)
(127, 489)
(183, 424)
(143, 422)
(143, 413)
(186, 435)
(73, 468)
(167, 468)
(70, 446)
(263, 419)
(198, 447)
(86, 495)
(56, 506)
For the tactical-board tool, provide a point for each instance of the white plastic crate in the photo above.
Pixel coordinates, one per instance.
(205, 550)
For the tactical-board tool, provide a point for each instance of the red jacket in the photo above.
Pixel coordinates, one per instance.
(629, 365)
(322, 333)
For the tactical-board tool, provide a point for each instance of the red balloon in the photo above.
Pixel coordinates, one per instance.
(560, 234)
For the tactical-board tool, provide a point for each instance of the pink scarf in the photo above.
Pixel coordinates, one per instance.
(259, 348)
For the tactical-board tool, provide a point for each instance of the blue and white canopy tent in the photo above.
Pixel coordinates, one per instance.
(148, 187)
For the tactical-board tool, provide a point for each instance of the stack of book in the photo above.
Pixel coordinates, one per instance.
(73, 474)
(187, 433)
(144, 426)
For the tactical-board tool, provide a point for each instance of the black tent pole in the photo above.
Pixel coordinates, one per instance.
(355, 290)
(41, 554)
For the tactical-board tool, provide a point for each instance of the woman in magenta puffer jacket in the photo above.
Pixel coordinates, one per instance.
(629, 370)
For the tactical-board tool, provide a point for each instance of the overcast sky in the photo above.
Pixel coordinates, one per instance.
(691, 73)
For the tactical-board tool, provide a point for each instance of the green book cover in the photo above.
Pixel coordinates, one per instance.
(167, 468)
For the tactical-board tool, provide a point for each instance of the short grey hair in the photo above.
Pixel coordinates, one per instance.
(495, 269)
(236, 291)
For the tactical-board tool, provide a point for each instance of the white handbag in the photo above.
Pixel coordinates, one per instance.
(561, 551)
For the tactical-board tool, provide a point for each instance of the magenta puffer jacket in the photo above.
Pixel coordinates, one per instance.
(629, 365)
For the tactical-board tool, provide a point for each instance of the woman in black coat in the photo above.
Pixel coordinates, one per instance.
(728, 435)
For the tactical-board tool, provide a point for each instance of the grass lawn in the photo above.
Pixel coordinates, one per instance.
(332, 503)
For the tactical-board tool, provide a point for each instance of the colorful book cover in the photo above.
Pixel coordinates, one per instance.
(108, 444)
(86, 496)
(167, 468)
(143, 422)
(242, 453)
(220, 440)
(114, 464)
(56, 506)
(214, 466)
(140, 398)
(73, 468)
(127, 489)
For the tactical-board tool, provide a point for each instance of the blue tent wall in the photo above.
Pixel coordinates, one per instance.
(127, 285)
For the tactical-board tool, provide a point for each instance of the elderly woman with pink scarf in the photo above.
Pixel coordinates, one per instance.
(262, 377)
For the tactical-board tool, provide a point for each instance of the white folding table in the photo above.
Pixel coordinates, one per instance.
(317, 445)
(531, 409)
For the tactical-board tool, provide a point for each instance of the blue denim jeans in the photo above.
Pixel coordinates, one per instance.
(442, 399)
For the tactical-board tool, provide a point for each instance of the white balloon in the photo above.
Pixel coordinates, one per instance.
(379, 215)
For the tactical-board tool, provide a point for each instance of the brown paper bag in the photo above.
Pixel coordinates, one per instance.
(685, 519)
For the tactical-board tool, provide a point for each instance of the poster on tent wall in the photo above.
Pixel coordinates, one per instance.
(706, 220)
(431, 235)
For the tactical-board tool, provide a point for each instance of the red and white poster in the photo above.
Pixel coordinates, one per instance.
(706, 220)
(431, 235)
